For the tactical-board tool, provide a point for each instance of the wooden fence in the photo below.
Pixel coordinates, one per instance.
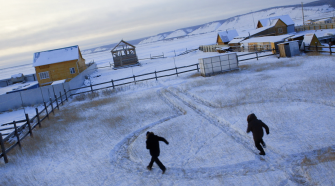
(315, 27)
(319, 49)
(22, 131)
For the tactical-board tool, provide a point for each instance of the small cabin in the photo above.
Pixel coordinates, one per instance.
(124, 54)
(226, 36)
(53, 65)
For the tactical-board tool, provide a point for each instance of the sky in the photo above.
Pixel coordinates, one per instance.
(38, 25)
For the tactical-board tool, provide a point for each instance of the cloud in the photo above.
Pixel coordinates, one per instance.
(36, 25)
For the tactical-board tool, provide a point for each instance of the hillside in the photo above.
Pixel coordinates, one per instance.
(244, 22)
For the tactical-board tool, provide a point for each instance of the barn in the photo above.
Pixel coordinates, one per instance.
(53, 65)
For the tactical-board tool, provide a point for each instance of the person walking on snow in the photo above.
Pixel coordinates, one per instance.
(256, 127)
(153, 145)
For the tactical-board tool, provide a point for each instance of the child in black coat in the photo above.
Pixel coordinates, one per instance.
(256, 127)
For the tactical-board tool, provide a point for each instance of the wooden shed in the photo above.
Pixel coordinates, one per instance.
(124, 54)
(310, 40)
(226, 36)
(63, 63)
(289, 49)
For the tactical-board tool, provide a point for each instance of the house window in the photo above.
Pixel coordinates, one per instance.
(44, 75)
(280, 30)
(72, 71)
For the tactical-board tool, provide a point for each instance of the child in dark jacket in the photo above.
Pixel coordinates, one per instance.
(256, 127)
(153, 145)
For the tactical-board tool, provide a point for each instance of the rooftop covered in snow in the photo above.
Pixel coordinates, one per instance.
(285, 18)
(267, 39)
(228, 35)
(56, 56)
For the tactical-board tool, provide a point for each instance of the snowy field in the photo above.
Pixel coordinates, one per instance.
(101, 140)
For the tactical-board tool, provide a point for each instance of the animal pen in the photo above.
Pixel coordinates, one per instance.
(124, 54)
(218, 64)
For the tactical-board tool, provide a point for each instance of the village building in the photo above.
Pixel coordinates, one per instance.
(124, 54)
(320, 21)
(286, 19)
(226, 36)
(310, 40)
(263, 43)
(272, 26)
(58, 64)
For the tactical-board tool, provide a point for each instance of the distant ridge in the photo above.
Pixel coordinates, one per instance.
(198, 29)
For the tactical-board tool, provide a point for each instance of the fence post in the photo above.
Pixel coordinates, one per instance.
(3, 149)
(257, 55)
(150, 56)
(316, 46)
(65, 95)
(61, 100)
(52, 106)
(38, 118)
(46, 109)
(198, 67)
(330, 49)
(29, 126)
(56, 102)
(174, 53)
(91, 87)
(156, 75)
(134, 79)
(17, 134)
(176, 71)
(113, 84)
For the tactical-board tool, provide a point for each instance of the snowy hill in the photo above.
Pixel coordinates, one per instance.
(176, 33)
(241, 23)
(249, 21)
(210, 27)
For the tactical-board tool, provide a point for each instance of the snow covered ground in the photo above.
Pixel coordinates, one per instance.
(101, 141)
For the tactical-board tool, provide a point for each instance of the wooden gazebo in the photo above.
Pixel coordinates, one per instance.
(124, 54)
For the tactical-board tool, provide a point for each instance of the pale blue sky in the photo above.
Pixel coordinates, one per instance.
(29, 26)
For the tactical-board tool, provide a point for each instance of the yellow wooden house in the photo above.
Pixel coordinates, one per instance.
(284, 26)
(58, 64)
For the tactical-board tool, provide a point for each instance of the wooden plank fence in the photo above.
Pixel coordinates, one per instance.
(29, 124)
(315, 27)
(319, 49)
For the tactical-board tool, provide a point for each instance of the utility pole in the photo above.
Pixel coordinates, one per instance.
(303, 17)
(253, 18)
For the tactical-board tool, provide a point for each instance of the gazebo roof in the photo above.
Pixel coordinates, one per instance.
(119, 44)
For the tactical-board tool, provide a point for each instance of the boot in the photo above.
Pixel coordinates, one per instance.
(262, 153)
(149, 168)
(263, 144)
(163, 170)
